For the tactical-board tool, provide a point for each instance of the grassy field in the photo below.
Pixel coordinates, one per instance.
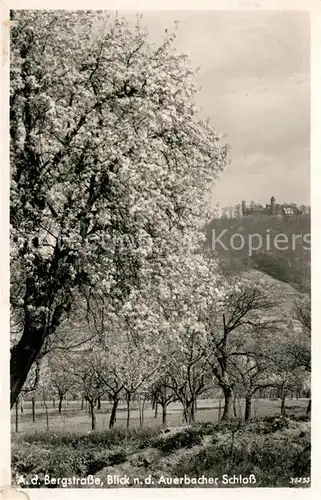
(273, 450)
(72, 419)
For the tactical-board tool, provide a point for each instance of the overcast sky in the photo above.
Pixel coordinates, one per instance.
(255, 89)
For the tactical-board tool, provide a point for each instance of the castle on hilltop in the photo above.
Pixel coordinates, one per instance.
(285, 210)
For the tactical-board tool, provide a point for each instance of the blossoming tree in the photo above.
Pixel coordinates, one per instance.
(110, 165)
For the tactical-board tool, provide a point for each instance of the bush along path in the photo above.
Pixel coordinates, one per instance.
(259, 453)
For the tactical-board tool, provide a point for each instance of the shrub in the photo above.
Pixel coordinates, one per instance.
(75, 454)
(273, 461)
(247, 448)
(301, 418)
(98, 460)
(58, 462)
(106, 439)
(277, 422)
(205, 428)
(62, 461)
(76, 440)
(185, 438)
(143, 437)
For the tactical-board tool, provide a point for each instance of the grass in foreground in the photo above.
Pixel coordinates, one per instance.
(274, 449)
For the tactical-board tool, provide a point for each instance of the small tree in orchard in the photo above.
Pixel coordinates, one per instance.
(193, 282)
(187, 371)
(249, 374)
(287, 379)
(300, 348)
(137, 371)
(298, 341)
(291, 353)
(131, 355)
(43, 388)
(31, 387)
(83, 370)
(30, 392)
(61, 381)
(246, 311)
(110, 166)
(163, 394)
(292, 363)
(107, 372)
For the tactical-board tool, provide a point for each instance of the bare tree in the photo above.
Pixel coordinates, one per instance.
(246, 311)
(187, 370)
(250, 373)
(83, 371)
(61, 381)
(163, 395)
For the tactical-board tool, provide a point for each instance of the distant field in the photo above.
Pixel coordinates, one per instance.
(72, 419)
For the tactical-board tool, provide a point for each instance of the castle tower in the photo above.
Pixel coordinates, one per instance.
(273, 206)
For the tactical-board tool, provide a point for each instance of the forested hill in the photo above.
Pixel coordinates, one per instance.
(249, 243)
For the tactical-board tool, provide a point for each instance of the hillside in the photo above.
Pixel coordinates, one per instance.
(250, 243)
(286, 293)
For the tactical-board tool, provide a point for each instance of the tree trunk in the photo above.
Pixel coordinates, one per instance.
(46, 410)
(113, 414)
(234, 406)
(141, 411)
(189, 414)
(309, 408)
(23, 355)
(17, 415)
(53, 403)
(156, 409)
(248, 407)
(82, 404)
(21, 407)
(128, 398)
(185, 415)
(33, 406)
(219, 410)
(283, 403)
(164, 414)
(61, 398)
(193, 410)
(93, 415)
(228, 402)
(98, 403)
